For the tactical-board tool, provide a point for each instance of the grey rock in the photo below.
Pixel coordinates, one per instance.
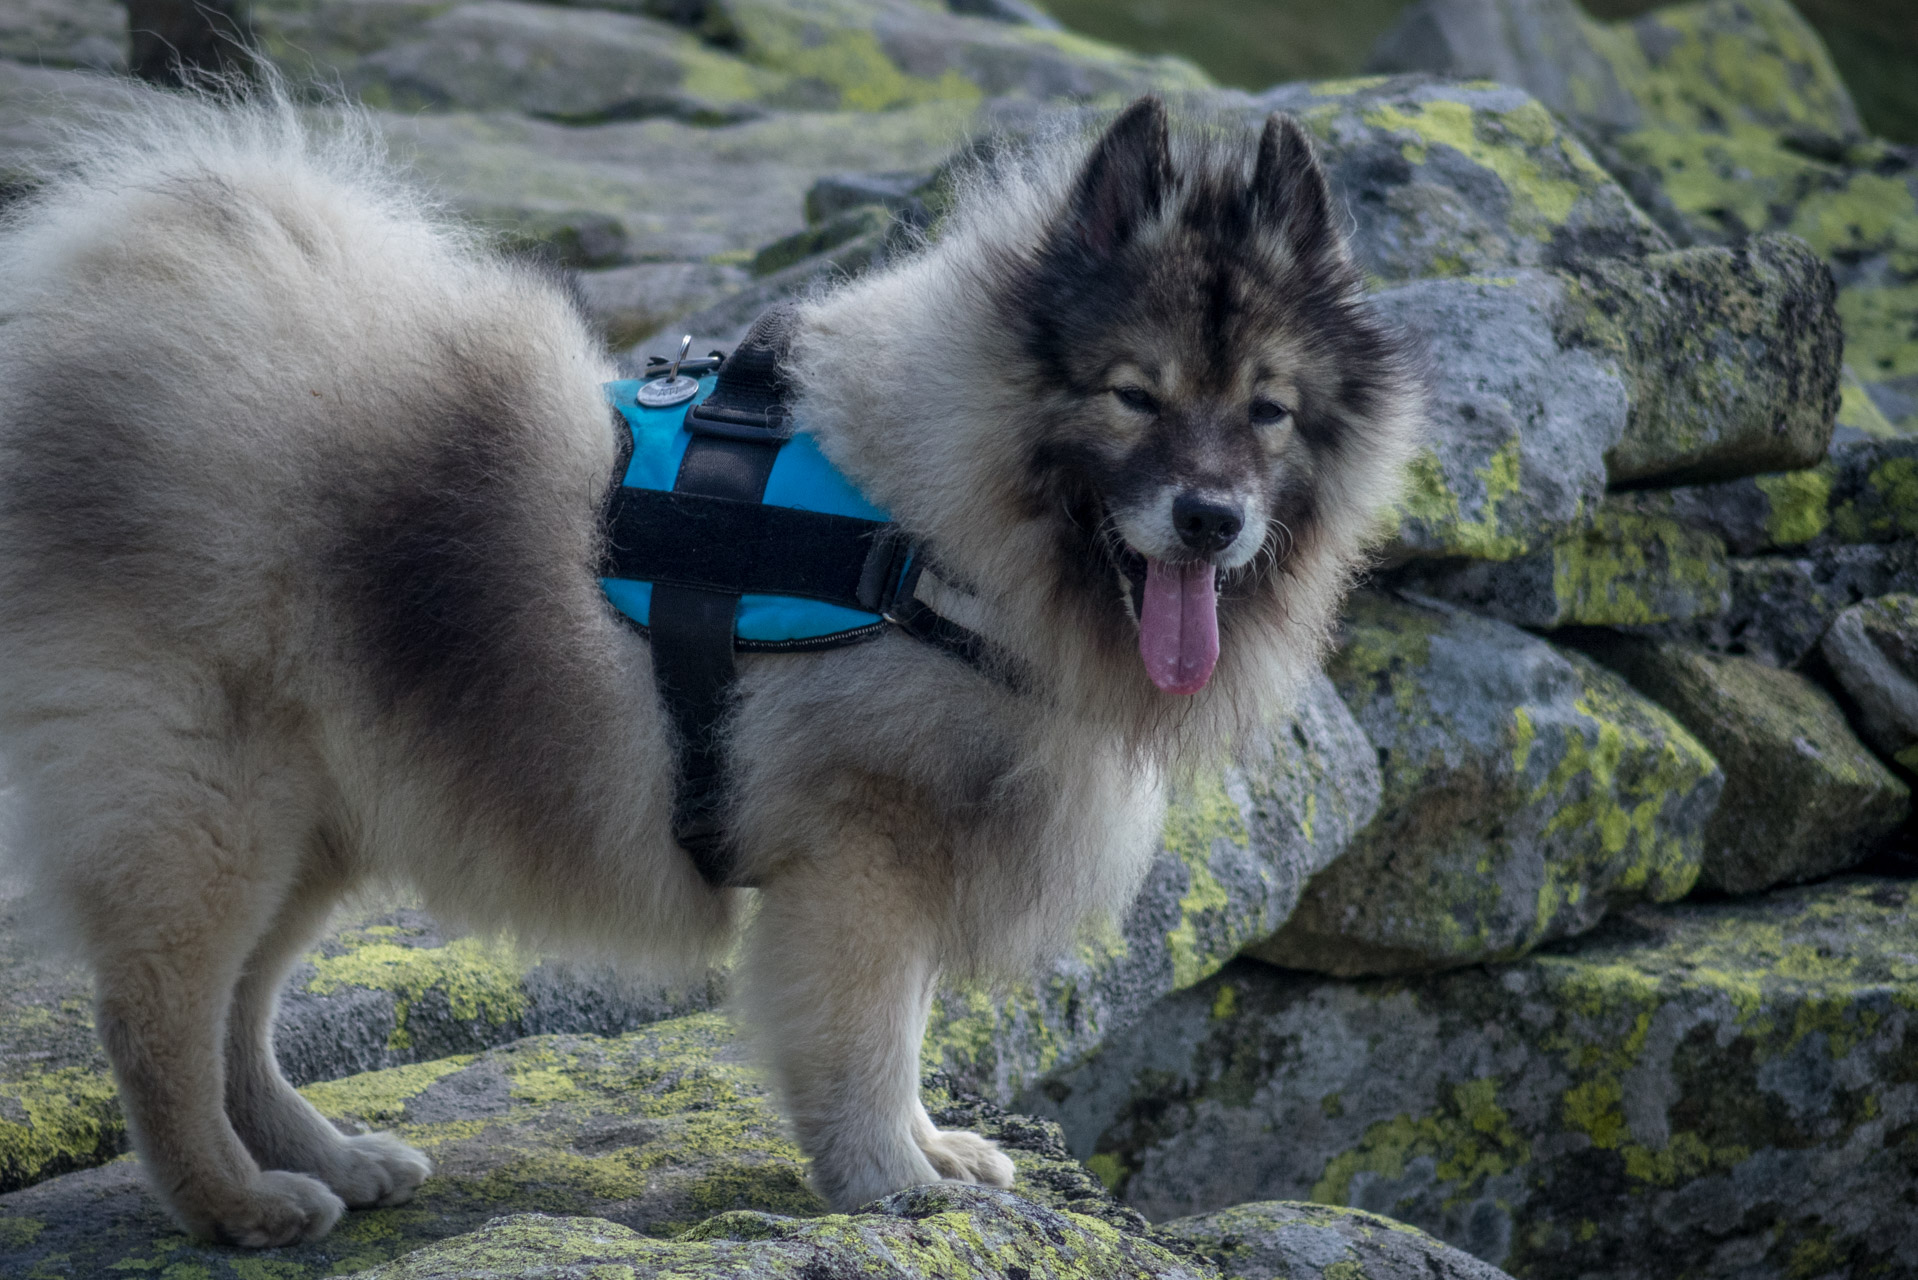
(838, 193)
(630, 302)
(1803, 797)
(1520, 423)
(655, 1132)
(1448, 179)
(1527, 792)
(943, 1231)
(1720, 1091)
(1240, 846)
(65, 33)
(1733, 356)
(1781, 606)
(1616, 566)
(1546, 47)
(565, 64)
(385, 988)
(1273, 1240)
(1872, 648)
(681, 192)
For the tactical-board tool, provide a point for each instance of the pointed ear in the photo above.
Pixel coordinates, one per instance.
(1289, 193)
(1124, 181)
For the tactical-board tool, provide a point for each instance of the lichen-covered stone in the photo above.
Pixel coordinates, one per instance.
(384, 989)
(942, 1231)
(576, 65)
(1240, 846)
(1275, 1240)
(1527, 791)
(657, 1130)
(1619, 566)
(1725, 119)
(1863, 491)
(1732, 357)
(1701, 1090)
(1803, 797)
(1461, 179)
(875, 55)
(1520, 423)
(1781, 606)
(1873, 650)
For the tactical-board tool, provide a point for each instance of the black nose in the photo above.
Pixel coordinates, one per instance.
(1206, 524)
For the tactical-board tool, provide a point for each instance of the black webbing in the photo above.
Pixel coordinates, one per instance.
(691, 540)
(712, 539)
(692, 626)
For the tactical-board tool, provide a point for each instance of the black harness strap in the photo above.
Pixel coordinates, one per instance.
(692, 626)
(712, 538)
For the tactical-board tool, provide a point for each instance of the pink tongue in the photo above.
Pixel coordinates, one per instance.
(1179, 625)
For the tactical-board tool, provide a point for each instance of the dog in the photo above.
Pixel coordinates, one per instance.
(300, 495)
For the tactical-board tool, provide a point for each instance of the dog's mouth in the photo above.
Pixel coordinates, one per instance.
(1177, 605)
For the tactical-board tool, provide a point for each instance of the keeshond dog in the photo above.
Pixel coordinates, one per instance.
(300, 527)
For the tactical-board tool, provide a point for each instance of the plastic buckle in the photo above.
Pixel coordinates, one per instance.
(890, 575)
(773, 427)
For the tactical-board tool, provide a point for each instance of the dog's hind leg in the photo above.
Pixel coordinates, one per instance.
(839, 982)
(175, 865)
(280, 1128)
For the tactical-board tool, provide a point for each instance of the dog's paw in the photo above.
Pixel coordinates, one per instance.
(959, 1156)
(369, 1170)
(276, 1208)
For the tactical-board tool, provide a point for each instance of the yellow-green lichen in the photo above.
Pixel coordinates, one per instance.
(1470, 1139)
(1799, 504)
(1200, 814)
(1430, 501)
(1503, 143)
(478, 980)
(71, 1120)
(1624, 569)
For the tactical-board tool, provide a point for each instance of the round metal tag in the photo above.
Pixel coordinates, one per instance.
(664, 393)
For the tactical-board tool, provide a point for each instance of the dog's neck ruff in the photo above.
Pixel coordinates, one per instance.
(729, 530)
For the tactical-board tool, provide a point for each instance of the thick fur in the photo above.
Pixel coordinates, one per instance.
(299, 496)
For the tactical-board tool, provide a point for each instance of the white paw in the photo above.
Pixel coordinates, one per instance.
(275, 1209)
(960, 1156)
(375, 1169)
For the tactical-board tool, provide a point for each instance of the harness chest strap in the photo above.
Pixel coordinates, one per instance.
(712, 539)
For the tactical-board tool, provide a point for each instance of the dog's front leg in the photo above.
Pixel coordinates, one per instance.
(839, 979)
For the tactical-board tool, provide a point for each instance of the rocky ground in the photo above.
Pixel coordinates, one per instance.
(1567, 920)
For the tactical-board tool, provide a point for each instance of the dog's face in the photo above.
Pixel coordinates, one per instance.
(1196, 330)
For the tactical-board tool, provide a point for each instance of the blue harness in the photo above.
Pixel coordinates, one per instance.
(728, 530)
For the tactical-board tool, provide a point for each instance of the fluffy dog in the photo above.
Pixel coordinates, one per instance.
(300, 496)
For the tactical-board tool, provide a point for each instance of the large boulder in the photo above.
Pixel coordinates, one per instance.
(1725, 118)
(1527, 791)
(1715, 1091)
(577, 65)
(1240, 847)
(1461, 179)
(1872, 648)
(1803, 797)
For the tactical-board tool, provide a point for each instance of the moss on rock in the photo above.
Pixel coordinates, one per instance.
(1619, 566)
(1691, 1090)
(1527, 791)
(1803, 797)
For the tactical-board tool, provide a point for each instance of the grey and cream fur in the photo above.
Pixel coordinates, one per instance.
(300, 493)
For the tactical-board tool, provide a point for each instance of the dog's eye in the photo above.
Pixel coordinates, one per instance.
(1136, 398)
(1267, 412)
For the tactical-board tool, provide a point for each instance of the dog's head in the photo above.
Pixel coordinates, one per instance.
(1212, 389)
